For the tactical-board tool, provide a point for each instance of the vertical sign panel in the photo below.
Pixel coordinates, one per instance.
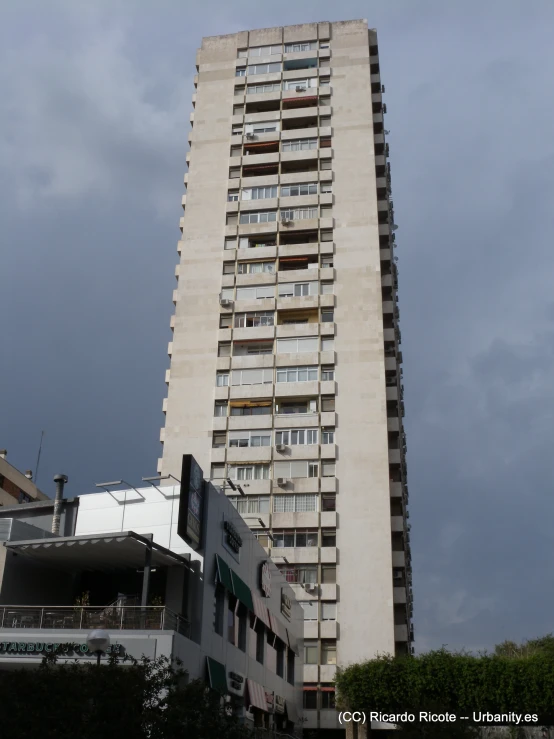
(191, 502)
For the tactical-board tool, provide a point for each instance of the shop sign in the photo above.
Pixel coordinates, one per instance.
(191, 502)
(233, 539)
(235, 683)
(279, 704)
(269, 700)
(12, 649)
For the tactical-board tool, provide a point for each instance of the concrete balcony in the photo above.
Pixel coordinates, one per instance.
(398, 559)
(328, 555)
(258, 252)
(392, 392)
(267, 204)
(298, 303)
(249, 422)
(394, 456)
(256, 332)
(298, 275)
(296, 389)
(386, 280)
(248, 454)
(328, 418)
(300, 224)
(326, 198)
(164, 405)
(397, 523)
(311, 630)
(294, 520)
(170, 348)
(299, 156)
(167, 376)
(328, 591)
(395, 489)
(297, 359)
(327, 673)
(389, 334)
(385, 254)
(220, 423)
(328, 519)
(246, 306)
(224, 334)
(328, 451)
(218, 455)
(388, 305)
(252, 361)
(180, 247)
(327, 301)
(294, 330)
(310, 717)
(296, 555)
(328, 484)
(311, 674)
(221, 393)
(327, 357)
(227, 280)
(246, 229)
(296, 420)
(399, 595)
(400, 632)
(299, 201)
(384, 229)
(327, 329)
(162, 435)
(328, 630)
(251, 391)
(257, 487)
(393, 424)
(255, 279)
(304, 451)
(326, 223)
(297, 250)
(223, 363)
(391, 364)
(304, 485)
(261, 97)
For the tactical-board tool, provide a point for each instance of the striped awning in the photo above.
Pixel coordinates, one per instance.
(260, 144)
(260, 609)
(293, 643)
(278, 628)
(300, 99)
(256, 695)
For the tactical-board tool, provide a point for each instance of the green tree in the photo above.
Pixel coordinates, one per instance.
(146, 699)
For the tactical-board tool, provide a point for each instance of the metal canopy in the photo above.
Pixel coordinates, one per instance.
(104, 552)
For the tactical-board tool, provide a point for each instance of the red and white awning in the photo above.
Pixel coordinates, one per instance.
(256, 695)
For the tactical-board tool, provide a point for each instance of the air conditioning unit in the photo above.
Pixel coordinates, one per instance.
(280, 447)
(250, 135)
(310, 587)
(300, 88)
(282, 481)
(286, 222)
(225, 302)
(397, 576)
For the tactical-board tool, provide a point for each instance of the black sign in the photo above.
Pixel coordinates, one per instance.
(232, 538)
(286, 604)
(10, 648)
(191, 502)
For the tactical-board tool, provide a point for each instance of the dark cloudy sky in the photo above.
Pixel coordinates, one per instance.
(94, 116)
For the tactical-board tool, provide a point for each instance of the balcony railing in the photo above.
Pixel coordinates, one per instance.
(152, 618)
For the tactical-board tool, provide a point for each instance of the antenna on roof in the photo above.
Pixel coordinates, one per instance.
(38, 457)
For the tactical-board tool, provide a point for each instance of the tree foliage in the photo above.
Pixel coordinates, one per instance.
(145, 699)
(514, 678)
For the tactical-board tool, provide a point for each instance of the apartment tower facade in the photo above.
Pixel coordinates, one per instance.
(285, 366)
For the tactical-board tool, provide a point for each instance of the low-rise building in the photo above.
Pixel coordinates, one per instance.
(16, 487)
(215, 601)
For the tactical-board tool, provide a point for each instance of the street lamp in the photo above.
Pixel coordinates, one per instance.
(98, 642)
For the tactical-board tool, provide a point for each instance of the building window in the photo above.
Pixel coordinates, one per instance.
(297, 374)
(239, 89)
(249, 472)
(254, 319)
(261, 50)
(230, 244)
(309, 607)
(217, 472)
(228, 268)
(327, 469)
(294, 190)
(296, 346)
(295, 503)
(268, 87)
(254, 268)
(296, 437)
(324, 81)
(219, 440)
(295, 407)
(248, 410)
(328, 436)
(327, 345)
(329, 538)
(232, 196)
(264, 68)
(240, 71)
(299, 538)
(328, 653)
(304, 84)
(328, 373)
(327, 404)
(225, 319)
(222, 379)
(280, 666)
(310, 700)
(260, 642)
(326, 188)
(298, 214)
(299, 144)
(290, 667)
(219, 609)
(242, 616)
(299, 574)
(220, 408)
(224, 349)
(258, 216)
(296, 468)
(262, 376)
(231, 607)
(262, 538)
(248, 438)
(328, 611)
(300, 46)
(327, 315)
(310, 652)
(329, 502)
(327, 699)
(328, 574)
(258, 292)
(259, 193)
(250, 503)
(327, 288)
(297, 289)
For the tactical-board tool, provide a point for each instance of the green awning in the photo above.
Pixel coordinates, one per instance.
(242, 591)
(216, 675)
(224, 573)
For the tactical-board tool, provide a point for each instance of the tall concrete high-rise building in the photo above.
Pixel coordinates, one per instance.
(285, 373)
